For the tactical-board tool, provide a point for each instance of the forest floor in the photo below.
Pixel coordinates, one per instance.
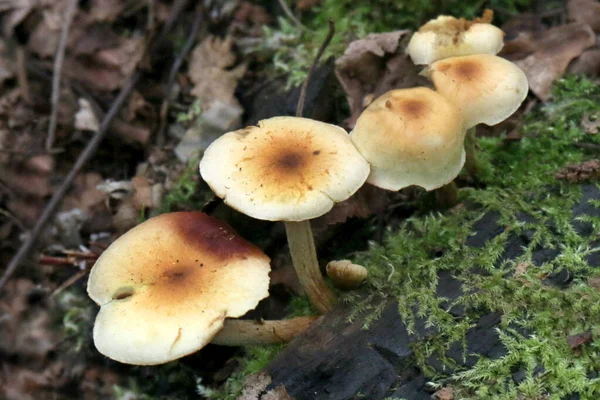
(499, 296)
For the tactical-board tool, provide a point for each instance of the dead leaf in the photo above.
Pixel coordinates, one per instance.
(588, 63)
(374, 65)
(585, 12)
(590, 126)
(578, 340)
(553, 50)
(585, 171)
(105, 10)
(445, 393)
(594, 282)
(521, 268)
(85, 118)
(210, 71)
(303, 5)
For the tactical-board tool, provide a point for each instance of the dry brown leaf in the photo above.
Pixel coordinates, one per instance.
(105, 10)
(585, 12)
(594, 282)
(588, 63)
(578, 340)
(445, 393)
(590, 126)
(521, 268)
(553, 50)
(374, 65)
(585, 171)
(209, 70)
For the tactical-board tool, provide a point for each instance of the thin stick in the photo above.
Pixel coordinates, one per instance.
(73, 279)
(58, 63)
(302, 98)
(87, 153)
(22, 74)
(189, 43)
(291, 16)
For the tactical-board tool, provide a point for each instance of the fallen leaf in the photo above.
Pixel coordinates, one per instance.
(105, 10)
(553, 50)
(585, 12)
(578, 340)
(374, 65)
(594, 282)
(521, 268)
(445, 393)
(588, 63)
(590, 126)
(210, 70)
(582, 172)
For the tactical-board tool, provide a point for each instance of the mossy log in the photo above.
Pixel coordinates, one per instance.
(337, 359)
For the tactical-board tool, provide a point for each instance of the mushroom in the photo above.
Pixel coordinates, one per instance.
(448, 36)
(486, 89)
(411, 137)
(166, 286)
(346, 275)
(287, 169)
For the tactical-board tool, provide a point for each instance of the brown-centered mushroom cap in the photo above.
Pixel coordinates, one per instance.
(286, 168)
(411, 137)
(448, 36)
(166, 286)
(487, 89)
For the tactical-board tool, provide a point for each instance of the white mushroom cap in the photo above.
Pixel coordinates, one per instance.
(166, 286)
(411, 137)
(487, 89)
(447, 36)
(286, 168)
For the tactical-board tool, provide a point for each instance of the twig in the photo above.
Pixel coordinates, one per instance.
(191, 39)
(56, 199)
(290, 15)
(22, 74)
(301, 99)
(72, 280)
(87, 153)
(58, 63)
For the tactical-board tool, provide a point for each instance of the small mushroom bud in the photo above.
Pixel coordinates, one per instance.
(346, 275)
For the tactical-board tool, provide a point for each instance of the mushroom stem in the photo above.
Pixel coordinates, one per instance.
(471, 164)
(238, 332)
(447, 195)
(304, 257)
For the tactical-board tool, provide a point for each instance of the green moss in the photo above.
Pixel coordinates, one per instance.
(189, 193)
(520, 179)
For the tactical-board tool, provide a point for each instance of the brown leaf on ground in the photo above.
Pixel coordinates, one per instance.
(578, 340)
(303, 5)
(445, 393)
(590, 126)
(594, 282)
(583, 172)
(585, 12)
(210, 69)
(105, 10)
(367, 201)
(374, 65)
(588, 63)
(521, 268)
(544, 57)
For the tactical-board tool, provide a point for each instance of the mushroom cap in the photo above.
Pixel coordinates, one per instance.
(411, 137)
(487, 89)
(447, 36)
(284, 169)
(166, 286)
(346, 275)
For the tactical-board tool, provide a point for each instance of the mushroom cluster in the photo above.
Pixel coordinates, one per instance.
(462, 64)
(422, 137)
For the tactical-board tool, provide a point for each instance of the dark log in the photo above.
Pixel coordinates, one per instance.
(337, 360)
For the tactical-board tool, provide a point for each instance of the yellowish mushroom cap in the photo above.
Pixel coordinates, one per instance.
(411, 137)
(487, 89)
(166, 286)
(286, 168)
(447, 36)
